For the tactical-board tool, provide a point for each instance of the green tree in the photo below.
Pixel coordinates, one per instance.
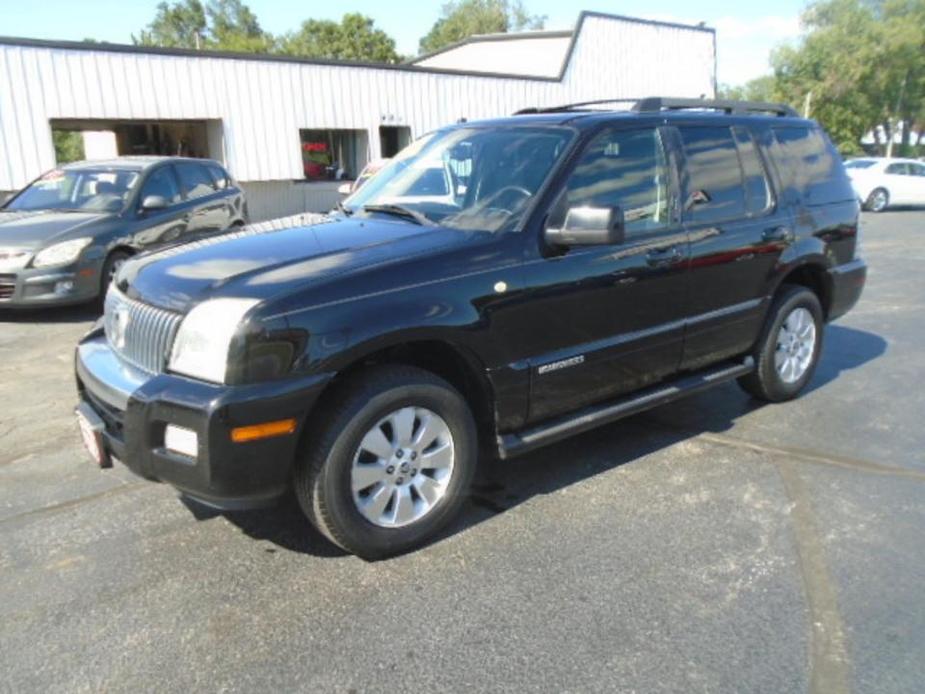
(860, 66)
(69, 146)
(221, 24)
(463, 18)
(234, 27)
(762, 88)
(181, 25)
(354, 38)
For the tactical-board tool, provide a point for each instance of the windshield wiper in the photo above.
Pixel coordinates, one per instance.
(400, 211)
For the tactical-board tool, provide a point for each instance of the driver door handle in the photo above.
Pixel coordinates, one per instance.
(778, 234)
(662, 257)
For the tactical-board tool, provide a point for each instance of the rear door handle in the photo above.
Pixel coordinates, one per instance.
(660, 257)
(779, 234)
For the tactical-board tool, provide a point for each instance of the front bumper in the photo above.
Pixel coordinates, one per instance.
(135, 407)
(50, 286)
(847, 282)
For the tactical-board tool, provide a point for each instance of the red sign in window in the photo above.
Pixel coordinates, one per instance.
(315, 146)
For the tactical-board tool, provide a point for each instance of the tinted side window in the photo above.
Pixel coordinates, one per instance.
(899, 169)
(220, 176)
(715, 189)
(917, 169)
(626, 169)
(162, 182)
(195, 180)
(757, 188)
(808, 166)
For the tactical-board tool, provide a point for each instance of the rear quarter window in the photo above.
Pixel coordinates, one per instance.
(810, 169)
(221, 177)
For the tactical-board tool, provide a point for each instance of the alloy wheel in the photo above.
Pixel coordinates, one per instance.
(402, 467)
(879, 201)
(796, 345)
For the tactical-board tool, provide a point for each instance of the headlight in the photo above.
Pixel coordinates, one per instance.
(61, 253)
(200, 348)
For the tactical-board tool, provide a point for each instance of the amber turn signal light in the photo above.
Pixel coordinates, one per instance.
(255, 432)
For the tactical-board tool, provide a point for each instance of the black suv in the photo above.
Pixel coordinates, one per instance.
(498, 286)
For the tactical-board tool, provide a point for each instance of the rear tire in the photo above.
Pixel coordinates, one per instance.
(787, 353)
(351, 481)
(878, 200)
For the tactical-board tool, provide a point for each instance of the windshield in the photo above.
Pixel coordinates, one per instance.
(466, 178)
(77, 190)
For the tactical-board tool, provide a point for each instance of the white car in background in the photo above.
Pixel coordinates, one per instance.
(880, 182)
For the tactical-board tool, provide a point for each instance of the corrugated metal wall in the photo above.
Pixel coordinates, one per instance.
(262, 105)
(270, 199)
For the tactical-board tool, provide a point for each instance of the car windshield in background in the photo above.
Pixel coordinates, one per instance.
(79, 190)
(480, 179)
(860, 164)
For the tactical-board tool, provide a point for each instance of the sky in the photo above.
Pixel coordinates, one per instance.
(746, 31)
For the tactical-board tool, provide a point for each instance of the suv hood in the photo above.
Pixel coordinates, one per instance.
(270, 258)
(32, 230)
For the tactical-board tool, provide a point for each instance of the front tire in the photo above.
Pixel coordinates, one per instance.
(389, 463)
(114, 262)
(788, 350)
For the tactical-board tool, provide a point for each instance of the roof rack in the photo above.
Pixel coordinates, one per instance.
(661, 103)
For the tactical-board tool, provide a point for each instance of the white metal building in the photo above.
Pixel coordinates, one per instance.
(289, 128)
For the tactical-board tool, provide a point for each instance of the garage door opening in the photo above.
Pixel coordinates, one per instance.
(393, 139)
(182, 138)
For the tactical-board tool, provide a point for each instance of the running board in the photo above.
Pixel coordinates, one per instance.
(510, 445)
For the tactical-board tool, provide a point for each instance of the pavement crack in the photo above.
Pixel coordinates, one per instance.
(829, 664)
(52, 509)
(814, 457)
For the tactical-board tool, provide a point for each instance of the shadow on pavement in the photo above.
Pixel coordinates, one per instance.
(502, 485)
(60, 314)
(284, 526)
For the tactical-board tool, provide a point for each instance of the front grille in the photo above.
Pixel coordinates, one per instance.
(7, 286)
(139, 333)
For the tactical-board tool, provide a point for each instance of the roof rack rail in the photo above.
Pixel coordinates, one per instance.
(661, 103)
(572, 107)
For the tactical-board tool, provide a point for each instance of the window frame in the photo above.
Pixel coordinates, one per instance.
(361, 145)
(183, 190)
(684, 175)
(213, 168)
(766, 170)
(176, 181)
(573, 160)
(897, 164)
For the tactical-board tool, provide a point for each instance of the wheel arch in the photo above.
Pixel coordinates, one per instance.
(449, 360)
(813, 276)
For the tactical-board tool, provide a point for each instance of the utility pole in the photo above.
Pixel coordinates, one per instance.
(899, 101)
(808, 104)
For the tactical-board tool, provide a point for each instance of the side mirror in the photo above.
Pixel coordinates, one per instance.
(345, 188)
(153, 203)
(589, 226)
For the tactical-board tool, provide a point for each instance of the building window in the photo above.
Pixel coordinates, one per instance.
(333, 155)
(393, 139)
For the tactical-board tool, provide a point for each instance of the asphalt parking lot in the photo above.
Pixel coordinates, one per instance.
(709, 545)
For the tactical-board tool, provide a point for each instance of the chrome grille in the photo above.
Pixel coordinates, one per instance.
(7, 286)
(139, 333)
